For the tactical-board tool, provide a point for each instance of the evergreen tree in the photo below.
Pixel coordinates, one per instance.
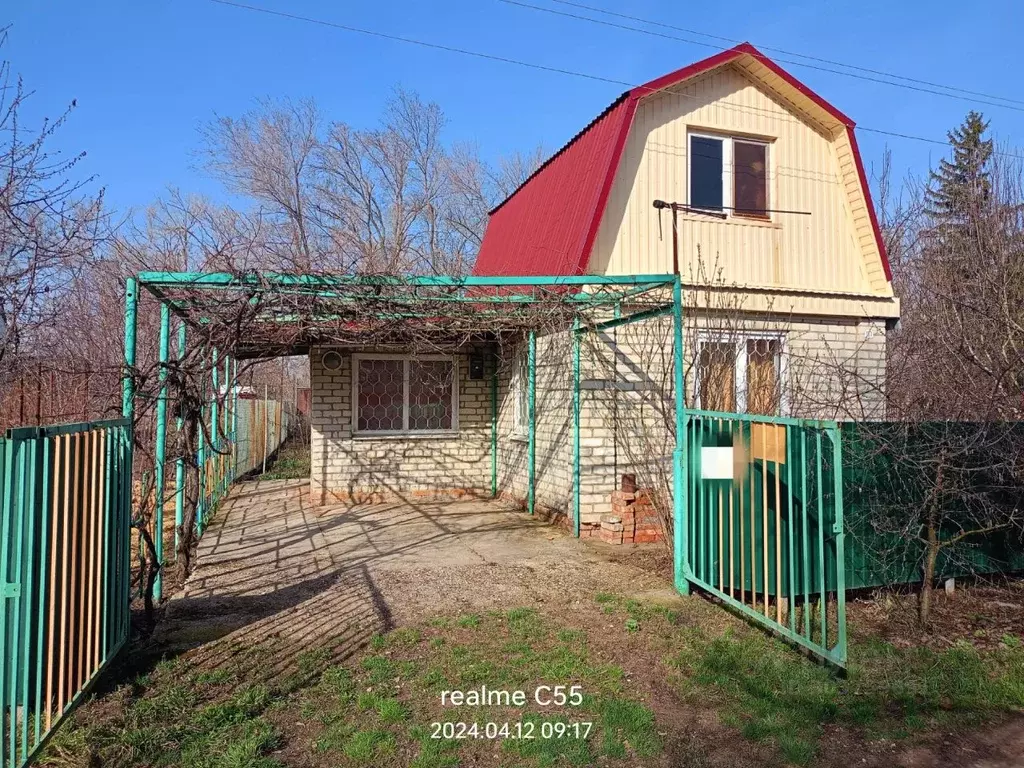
(962, 186)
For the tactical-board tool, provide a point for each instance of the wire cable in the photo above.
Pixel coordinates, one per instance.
(784, 52)
(527, 64)
(665, 36)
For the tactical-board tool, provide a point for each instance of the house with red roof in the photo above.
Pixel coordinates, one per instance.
(741, 179)
(728, 172)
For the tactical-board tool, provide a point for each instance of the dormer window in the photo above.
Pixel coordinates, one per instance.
(729, 174)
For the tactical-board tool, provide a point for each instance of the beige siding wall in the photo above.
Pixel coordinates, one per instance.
(346, 467)
(821, 252)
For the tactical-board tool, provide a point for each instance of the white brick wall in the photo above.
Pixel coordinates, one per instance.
(345, 466)
(836, 370)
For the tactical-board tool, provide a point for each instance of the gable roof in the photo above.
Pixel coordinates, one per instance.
(549, 223)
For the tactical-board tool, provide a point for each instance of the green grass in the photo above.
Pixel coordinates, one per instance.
(773, 695)
(379, 711)
(171, 717)
(292, 463)
(376, 709)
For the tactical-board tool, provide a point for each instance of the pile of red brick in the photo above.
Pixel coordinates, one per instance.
(633, 520)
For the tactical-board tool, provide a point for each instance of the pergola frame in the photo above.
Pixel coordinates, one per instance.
(485, 306)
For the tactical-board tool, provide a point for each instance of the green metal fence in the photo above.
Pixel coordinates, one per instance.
(889, 478)
(64, 572)
(764, 522)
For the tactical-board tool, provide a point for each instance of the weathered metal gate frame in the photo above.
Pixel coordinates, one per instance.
(705, 512)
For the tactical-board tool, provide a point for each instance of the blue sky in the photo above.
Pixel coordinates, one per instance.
(147, 74)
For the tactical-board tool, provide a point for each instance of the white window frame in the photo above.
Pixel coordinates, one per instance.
(519, 387)
(728, 170)
(740, 339)
(407, 359)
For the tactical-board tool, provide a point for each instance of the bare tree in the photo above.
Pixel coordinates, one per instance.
(49, 225)
(945, 474)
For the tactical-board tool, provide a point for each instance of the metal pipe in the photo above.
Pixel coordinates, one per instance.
(161, 448)
(179, 468)
(679, 455)
(576, 427)
(494, 429)
(266, 425)
(131, 303)
(531, 459)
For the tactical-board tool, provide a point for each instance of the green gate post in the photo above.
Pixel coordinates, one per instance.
(179, 469)
(494, 429)
(531, 454)
(576, 427)
(680, 537)
(161, 448)
(838, 528)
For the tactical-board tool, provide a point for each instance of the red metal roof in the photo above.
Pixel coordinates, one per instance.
(548, 224)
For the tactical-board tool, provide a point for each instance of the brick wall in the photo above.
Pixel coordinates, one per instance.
(835, 370)
(346, 467)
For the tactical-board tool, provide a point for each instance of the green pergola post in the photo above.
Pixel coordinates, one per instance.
(494, 429)
(226, 479)
(531, 450)
(161, 448)
(679, 459)
(234, 418)
(131, 309)
(214, 423)
(576, 427)
(201, 461)
(179, 465)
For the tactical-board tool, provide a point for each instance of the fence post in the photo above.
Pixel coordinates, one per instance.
(839, 529)
(266, 426)
(161, 448)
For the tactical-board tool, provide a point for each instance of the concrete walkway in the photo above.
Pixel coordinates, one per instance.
(273, 568)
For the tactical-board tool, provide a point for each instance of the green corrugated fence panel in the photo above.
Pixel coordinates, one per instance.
(882, 462)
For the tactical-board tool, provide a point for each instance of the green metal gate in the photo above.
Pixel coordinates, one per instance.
(763, 518)
(64, 579)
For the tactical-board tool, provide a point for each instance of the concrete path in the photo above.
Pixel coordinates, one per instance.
(273, 568)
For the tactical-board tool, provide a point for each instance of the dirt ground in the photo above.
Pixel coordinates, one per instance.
(273, 565)
(274, 570)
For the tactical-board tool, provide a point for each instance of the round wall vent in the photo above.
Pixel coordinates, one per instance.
(331, 360)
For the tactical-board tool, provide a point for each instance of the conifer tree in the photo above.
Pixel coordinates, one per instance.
(962, 186)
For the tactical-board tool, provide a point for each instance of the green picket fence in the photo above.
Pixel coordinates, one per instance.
(764, 514)
(64, 572)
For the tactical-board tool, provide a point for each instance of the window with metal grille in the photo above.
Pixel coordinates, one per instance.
(398, 394)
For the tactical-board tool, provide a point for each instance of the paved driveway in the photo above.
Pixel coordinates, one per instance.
(272, 566)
